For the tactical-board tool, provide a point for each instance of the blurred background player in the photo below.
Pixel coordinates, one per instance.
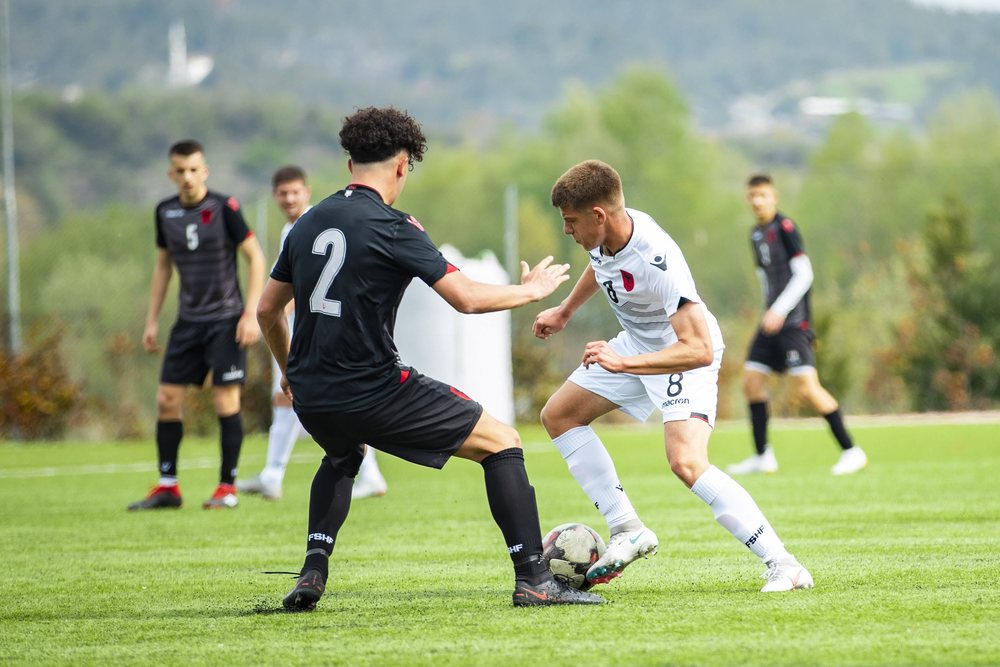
(347, 264)
(290, 189)
(200, 232)
(784, 340)
(667, 356)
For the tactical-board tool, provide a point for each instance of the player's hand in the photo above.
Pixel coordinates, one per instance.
(772, 323)
(285, 387)
(600, 353)
(247, 331)
(548, 322)
(149, 338)
(545, 277)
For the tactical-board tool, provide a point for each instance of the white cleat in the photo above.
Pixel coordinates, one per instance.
(785, 576)
(623, 548)
(366, 488)
(850, 461)
(256, 486)
(756, 464)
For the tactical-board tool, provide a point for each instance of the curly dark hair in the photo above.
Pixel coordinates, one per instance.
(375, 134)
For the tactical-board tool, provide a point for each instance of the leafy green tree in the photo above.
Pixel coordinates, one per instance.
(946, 349)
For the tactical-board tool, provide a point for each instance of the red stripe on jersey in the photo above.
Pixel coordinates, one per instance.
(804, 325)
(451, 268)
(460, 394)
(404, 374)
(413, 221)
(249, 234)
(233, 204)
(787, 225)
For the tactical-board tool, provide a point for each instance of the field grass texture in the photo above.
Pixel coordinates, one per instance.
(905, 555)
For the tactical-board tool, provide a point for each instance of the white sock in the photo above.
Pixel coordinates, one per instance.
(369, 472)
(737, 512)
(281, 439)
(592, 467)
(167, 481)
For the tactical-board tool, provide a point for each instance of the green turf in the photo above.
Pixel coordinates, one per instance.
(904, 554)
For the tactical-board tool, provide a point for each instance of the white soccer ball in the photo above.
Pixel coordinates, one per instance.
(569, 550)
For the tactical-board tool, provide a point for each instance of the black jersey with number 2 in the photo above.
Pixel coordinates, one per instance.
(349, 260)
(774, 246)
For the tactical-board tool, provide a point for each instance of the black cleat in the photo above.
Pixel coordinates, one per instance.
(307, 592)
(161, 497)
(550, 592)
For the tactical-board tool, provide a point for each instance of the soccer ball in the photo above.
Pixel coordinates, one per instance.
(569, 550)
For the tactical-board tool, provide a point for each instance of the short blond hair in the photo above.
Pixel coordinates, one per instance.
(589, 183)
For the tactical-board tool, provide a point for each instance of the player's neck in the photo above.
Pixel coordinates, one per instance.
(620, 229)
(194, 199)
(767, 219)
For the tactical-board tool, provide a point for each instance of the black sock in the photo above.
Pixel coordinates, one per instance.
(836, 422)
(329, 503)
(758, 419)
(231, 440)
(512, 503)
(168, 442)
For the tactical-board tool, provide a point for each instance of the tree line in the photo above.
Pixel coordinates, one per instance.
(900, 226)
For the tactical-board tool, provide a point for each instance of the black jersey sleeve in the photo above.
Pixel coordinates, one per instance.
(282, 270)
(791, 238)
(414, 251)
(161, 240)
(236, 226)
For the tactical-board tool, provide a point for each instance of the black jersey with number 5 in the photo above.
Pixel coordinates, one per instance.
(774, 246)
(349, 260)
(202, 241)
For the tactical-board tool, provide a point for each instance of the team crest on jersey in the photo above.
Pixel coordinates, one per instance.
(772, 235)
(233, 204)
(660, 262)
(413, 221)
(628, 280)
(206, 216)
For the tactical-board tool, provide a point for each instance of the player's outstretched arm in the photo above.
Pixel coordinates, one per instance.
(162, 270)
(693, 348)
(469, 296)
(554, 320)
(274, 324)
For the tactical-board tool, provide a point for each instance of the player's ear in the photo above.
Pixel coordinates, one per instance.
(350, 165)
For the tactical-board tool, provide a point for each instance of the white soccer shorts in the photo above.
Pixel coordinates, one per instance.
(679, 396)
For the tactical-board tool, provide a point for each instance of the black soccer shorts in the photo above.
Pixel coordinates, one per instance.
(195, 348)
(420, 420)
(789, 349)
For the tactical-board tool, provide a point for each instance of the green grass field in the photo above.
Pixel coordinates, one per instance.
(906, 558)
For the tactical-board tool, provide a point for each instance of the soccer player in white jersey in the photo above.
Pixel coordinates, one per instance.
(667, 356)
(292, 193)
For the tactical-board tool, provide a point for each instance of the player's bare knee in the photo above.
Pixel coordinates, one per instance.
(753, 388)
(550, 419)
(688, 469)
(168, 404)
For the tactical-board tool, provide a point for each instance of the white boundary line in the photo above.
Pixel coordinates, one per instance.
(205, 463)
(808, 423)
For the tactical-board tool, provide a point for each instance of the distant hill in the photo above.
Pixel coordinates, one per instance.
(472, 66)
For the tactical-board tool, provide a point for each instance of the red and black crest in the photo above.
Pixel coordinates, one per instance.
(206, 216)
(628, 280)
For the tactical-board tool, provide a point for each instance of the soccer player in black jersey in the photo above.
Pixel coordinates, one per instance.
(200, 232)
(785, 337)
(346, 263)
